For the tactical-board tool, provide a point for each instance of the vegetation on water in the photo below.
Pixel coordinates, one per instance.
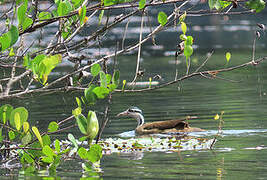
(26, 65)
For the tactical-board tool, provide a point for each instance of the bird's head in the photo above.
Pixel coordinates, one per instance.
(135, 113)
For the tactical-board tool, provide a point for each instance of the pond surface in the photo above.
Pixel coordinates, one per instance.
(241, 151)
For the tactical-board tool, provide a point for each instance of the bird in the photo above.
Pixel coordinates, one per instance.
(176, 126)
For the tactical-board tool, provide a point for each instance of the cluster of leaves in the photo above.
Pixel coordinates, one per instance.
(15, 127)
(42, 65)
(187, 41)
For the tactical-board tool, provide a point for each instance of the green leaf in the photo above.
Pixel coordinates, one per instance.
(48, 159)
(101, 92)
(257, 5)
(142, 4)
(5, 112)
(63, 8)
(47, 65)
(188, 51)
(82, 152)
(48, 151)
(23, 113)
(26, 127)
(73, 140)
(228, 56)
(184, 27)
(53, 126)
(100, 16)
(162, 18)
(95, 153)
(57, 146)
(37, 134)
(92, 125)
(21, 13)
(77, 111)
(79, 103)
(11, 135)
(46, 140)
(90, 96)
(116, 78)
(82, 123)
(26, 23)
(109, 2)
(95, 69)
(189, 41)
(27, 158)
(10, 38)
(103, 79)
(108, 78)
(212, 3)
(17, 120)
(26, 139)
(44, 15)
(11, 52)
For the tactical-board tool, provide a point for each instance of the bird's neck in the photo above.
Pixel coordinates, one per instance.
(140, 120)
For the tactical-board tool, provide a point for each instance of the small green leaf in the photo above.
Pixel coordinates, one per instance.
(10, 38)
(82, 152)
(95, 153)
(142, 4)
(108, 78)
(188, 51)
(77, 111)
(89, 95)
(11, 135)
(95, 69)
(92, 125)
(116, 78)
(79, 103)
(184, 27)
(48, 151)
(46, 140)
(162, 18)
(44, 15)
(53, 126)
(73, 140)
(5, 112)
(100, 16)
(23, 113)
(37, 134)
(11, 52)
(57, 146)
(189, 41)
(48, 159)
(27, 138)
(26, 23)
(228, 56)
(64, 8)
(101, 92)
(17, 121)
(26, 127)
(82, 123)
(103, 79)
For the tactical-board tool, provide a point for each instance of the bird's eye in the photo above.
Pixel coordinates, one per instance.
(130, 110)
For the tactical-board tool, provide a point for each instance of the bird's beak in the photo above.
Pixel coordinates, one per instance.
(124, 113)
